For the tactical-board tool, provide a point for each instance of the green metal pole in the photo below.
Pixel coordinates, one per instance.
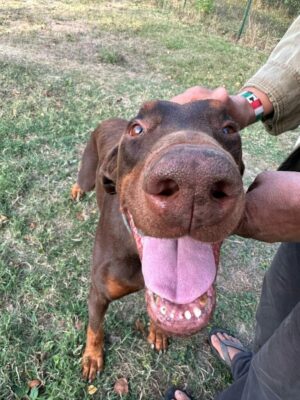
(246, 14)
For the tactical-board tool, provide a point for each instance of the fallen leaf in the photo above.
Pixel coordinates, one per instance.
(92, 389)
(3, 219)
(81, 216)
(121, 386)
(34, 383)
(48, 93)
(15, 92)
(33, 225)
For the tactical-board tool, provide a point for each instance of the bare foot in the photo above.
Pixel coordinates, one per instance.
(232, 351)
(179, 395)
(176, 394)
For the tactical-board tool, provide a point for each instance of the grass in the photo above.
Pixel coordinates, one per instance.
(65, 66)
(111, 57)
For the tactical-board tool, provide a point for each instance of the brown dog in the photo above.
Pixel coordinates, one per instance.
(169, 188)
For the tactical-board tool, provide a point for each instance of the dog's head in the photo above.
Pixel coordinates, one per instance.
(177, 171)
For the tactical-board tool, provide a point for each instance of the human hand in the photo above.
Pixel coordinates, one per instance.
(237, 106)
(201, 93)
(272, 208)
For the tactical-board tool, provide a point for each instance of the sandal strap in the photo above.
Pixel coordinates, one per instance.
(234, 345)
(225, 353)
(225, 344)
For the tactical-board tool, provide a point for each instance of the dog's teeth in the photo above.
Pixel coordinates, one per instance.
(197, 312)
(203, 300)
(163, 310)
(172, 315)
(187, 315)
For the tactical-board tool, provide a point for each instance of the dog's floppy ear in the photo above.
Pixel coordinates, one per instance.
(108, 171)
(100, 155)
(88, 166)
(292, 163)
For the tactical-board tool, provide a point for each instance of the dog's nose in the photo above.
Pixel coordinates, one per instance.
(202, 181)
(161, 185)
(219, 188)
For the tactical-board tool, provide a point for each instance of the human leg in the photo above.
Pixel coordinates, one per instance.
(280, 292)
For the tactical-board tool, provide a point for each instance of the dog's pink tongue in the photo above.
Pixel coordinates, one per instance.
(179, 270)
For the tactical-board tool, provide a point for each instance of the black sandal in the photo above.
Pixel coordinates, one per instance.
(224, 346)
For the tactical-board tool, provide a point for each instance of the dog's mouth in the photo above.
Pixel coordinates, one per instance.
(179, 276)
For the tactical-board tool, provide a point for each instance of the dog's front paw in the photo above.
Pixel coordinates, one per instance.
(92, 364)
(76, 192)
(157, 338)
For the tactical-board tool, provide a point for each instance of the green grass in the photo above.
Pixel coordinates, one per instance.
(65, 66)
(111, 57)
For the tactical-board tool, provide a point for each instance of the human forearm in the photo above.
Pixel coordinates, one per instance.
(272, 211)
(279, 80)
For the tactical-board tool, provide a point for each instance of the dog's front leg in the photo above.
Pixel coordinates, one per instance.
(93, 356)
(157, 338)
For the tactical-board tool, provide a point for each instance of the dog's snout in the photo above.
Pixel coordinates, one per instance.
(196, 181)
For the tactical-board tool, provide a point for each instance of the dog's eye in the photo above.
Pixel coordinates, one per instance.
(228, 129)
(136, 130)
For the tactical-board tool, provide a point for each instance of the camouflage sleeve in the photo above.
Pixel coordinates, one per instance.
(279, 78)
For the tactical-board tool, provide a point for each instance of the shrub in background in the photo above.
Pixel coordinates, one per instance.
(292, 6)
(204, 6)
